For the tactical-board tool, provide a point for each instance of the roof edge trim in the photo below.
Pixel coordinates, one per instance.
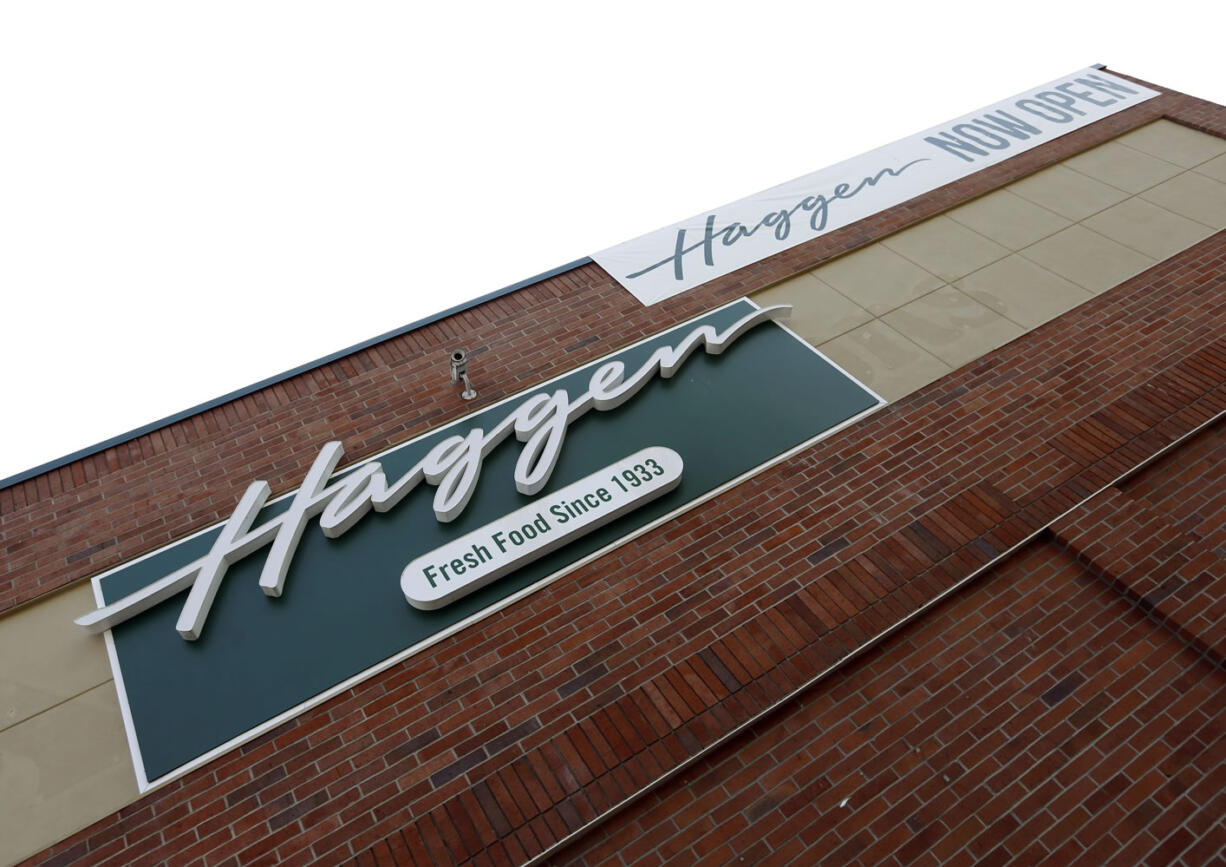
(88, 451)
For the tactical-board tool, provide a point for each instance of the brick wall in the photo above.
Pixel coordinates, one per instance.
(1062, 709)
(546, 715)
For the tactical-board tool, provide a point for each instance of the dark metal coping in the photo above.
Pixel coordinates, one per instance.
(281, 377)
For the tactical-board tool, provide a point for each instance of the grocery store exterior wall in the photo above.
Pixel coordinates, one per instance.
(389, 392)
(509, 725)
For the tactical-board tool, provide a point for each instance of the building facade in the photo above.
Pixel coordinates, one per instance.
(930, 573)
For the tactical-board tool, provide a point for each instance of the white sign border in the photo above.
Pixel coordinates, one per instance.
(145, 785)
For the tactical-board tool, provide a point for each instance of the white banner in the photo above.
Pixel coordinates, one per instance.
(675, 258)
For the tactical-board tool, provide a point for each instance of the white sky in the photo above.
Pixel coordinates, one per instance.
(194, 197)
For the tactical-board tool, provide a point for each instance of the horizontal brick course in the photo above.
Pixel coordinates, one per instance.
(910, 775)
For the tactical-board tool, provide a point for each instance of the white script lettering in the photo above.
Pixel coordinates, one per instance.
(453, 467)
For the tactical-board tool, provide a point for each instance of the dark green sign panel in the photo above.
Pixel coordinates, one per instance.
(342, 611)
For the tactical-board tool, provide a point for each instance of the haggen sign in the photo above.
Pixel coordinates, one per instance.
(223, 635)
(670, 260)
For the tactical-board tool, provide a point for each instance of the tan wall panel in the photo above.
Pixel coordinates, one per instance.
(885, 313)
(64, 760)
(45, 658)
(61, 770)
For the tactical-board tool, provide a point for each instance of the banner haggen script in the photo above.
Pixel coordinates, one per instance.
(675, 258)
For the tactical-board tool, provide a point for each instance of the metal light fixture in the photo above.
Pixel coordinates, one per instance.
(459, 373)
